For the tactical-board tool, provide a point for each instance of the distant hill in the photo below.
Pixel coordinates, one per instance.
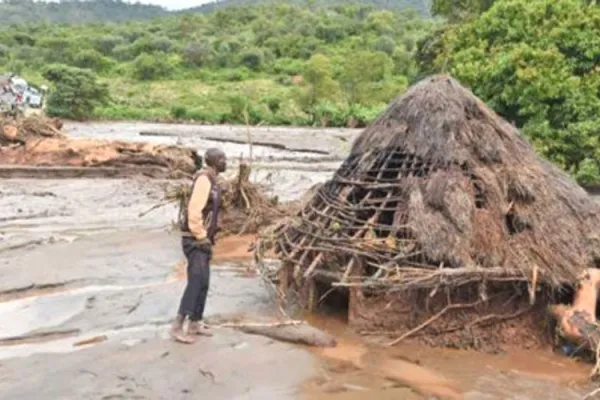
(73, 11)
(86, 11)
(423, 7)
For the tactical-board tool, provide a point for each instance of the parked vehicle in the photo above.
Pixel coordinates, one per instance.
(17, 95)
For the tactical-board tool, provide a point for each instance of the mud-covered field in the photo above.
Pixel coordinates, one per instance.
(88, 287)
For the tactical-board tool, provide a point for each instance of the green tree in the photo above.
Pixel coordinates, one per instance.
(253, 59)
(361, 72)
(260, 53)
(105, 44)
(76, 92)
(56, 49)
(91, 59)
(385, 44)
(198, 54)
(152, 44)
(318, 75)
(535, 62)
(458, 10)
(148, 67)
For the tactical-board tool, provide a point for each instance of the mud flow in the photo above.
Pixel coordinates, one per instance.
(88, 290)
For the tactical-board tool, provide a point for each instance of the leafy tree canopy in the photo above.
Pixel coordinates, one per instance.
(536, 63)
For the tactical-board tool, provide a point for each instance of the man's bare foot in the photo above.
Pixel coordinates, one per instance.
(177, 332)
(181, 337)
(198, 328)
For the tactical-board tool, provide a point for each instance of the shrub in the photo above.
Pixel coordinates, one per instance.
(252, 59)
(76, 92)
(148, 67)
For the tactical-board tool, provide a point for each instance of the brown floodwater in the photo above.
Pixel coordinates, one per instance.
(408, 371)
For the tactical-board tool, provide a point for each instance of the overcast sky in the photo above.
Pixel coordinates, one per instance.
(176, 4)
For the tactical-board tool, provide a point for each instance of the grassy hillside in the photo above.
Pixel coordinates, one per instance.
(423, 7)
(36, 12)
(86, 11)
(272, 64)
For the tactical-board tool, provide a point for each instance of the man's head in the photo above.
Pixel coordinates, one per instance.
(215, 158)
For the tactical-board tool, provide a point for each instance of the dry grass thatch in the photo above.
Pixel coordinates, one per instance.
(441, 191)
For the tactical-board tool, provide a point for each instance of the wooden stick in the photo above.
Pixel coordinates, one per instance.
(313, 265)
(257, 324)
(144, 213)
(343, 195)
(349, 268)
(591, 394)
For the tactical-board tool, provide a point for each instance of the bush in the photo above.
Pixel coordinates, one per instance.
(16, 66)
(328, 114)
(76, 92)
(91, 59)
(123, 52)
(385, 44)
(4, 51)
(243, 111)
(198, 54)
(24, 39)
(4, 54)
(56, 50)
(360, 116)
(148, 67)
(288, 66)
(152, 44)
(107, 43)
(179, 112)
(252, 59)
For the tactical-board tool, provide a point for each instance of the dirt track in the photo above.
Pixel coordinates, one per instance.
(78, 263)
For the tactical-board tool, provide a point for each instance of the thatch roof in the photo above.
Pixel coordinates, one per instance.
(440, 187)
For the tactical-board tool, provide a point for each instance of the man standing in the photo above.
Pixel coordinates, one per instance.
(199, 224)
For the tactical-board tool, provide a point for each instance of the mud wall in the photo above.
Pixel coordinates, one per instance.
(455, 318)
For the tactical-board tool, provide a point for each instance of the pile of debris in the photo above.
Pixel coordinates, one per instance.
(442, 226)
(37, 141)
(20, 131)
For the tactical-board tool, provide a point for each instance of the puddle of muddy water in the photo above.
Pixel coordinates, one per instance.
(355, 367)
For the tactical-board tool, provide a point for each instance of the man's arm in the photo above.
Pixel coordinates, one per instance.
(197, 202)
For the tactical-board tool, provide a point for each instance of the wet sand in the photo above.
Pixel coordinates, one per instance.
(78, 264)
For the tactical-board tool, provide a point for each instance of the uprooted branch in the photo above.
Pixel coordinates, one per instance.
(288, 331)
(244, 325)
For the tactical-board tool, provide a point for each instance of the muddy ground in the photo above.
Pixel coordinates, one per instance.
(87, 289)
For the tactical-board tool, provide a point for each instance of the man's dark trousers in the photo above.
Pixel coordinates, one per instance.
(198, 280)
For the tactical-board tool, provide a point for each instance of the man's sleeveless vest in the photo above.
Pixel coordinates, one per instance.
(210, 212)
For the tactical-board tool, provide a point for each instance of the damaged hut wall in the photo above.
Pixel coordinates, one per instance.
(459, 319)
(439, 192)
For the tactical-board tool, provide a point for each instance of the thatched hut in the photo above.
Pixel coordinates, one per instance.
(443, 225)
